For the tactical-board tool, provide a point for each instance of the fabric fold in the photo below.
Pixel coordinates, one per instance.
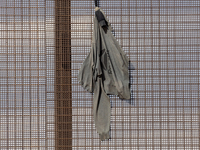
(101, 110)
(104, 72)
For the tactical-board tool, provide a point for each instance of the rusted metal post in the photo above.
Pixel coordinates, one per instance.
(63, 92)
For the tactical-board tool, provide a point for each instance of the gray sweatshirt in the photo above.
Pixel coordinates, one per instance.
(104, 72)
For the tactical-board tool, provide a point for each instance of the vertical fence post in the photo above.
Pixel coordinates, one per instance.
(63, 92)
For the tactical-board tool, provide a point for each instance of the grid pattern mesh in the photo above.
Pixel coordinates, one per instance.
(161, 39)
(43, 44)
(27, 52)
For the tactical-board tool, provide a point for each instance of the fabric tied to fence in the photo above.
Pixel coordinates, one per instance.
(104, 72)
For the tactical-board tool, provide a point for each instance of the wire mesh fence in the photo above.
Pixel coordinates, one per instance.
(42, 46)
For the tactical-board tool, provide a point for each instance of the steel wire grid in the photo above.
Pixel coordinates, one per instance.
(43, 44)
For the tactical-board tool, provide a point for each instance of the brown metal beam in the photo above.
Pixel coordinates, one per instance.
(63, 93)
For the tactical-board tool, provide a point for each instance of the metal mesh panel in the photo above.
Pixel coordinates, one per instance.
(161, 39)
(43, 44)
(27, 74)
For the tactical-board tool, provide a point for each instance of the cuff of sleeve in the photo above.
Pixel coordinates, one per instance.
(104, 136)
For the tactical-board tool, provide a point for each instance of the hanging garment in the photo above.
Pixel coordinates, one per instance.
(104, 72)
